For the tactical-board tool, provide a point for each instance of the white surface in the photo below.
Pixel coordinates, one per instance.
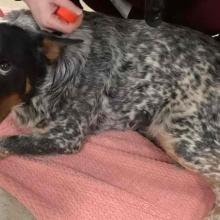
(20, 4)
(12, 4)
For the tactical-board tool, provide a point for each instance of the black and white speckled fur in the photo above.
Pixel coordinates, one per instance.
(162, 82)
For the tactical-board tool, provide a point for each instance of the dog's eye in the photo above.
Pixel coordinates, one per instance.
(5, 66)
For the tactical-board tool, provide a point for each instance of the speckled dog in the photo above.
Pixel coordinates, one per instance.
(163, 82)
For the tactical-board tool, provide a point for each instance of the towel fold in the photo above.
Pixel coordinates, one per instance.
(117, 175)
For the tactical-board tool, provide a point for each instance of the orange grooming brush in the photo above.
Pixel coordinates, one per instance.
(66, 14)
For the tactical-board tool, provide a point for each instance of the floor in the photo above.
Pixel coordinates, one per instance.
(10, 208)
(7, 5)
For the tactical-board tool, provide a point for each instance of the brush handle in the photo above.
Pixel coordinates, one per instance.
(66, 14)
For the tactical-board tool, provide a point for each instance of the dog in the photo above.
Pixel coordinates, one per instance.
(112, 73)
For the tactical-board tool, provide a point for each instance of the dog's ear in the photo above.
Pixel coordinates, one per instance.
(51, 45)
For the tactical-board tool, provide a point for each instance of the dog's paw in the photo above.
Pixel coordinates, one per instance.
(4, 152)
(11, 145)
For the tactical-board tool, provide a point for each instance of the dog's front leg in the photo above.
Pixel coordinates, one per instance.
(63, 138)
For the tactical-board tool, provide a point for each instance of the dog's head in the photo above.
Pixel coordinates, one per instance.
(24, 56)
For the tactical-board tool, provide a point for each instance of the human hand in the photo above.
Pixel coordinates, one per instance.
(44, 13)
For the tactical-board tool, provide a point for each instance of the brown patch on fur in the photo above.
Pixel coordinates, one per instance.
(51, 49)
(7, 103)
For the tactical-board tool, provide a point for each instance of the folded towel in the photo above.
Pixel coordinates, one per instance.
(1, 13)
(117, 175)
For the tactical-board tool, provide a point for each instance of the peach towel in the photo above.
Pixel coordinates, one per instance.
(116, 176)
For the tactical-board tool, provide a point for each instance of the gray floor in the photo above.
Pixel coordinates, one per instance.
(11, 209)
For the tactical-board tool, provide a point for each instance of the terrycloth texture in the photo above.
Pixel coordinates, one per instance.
(117, 175)
(1, 13)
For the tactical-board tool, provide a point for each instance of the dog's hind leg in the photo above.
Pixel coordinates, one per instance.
(194, 143)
